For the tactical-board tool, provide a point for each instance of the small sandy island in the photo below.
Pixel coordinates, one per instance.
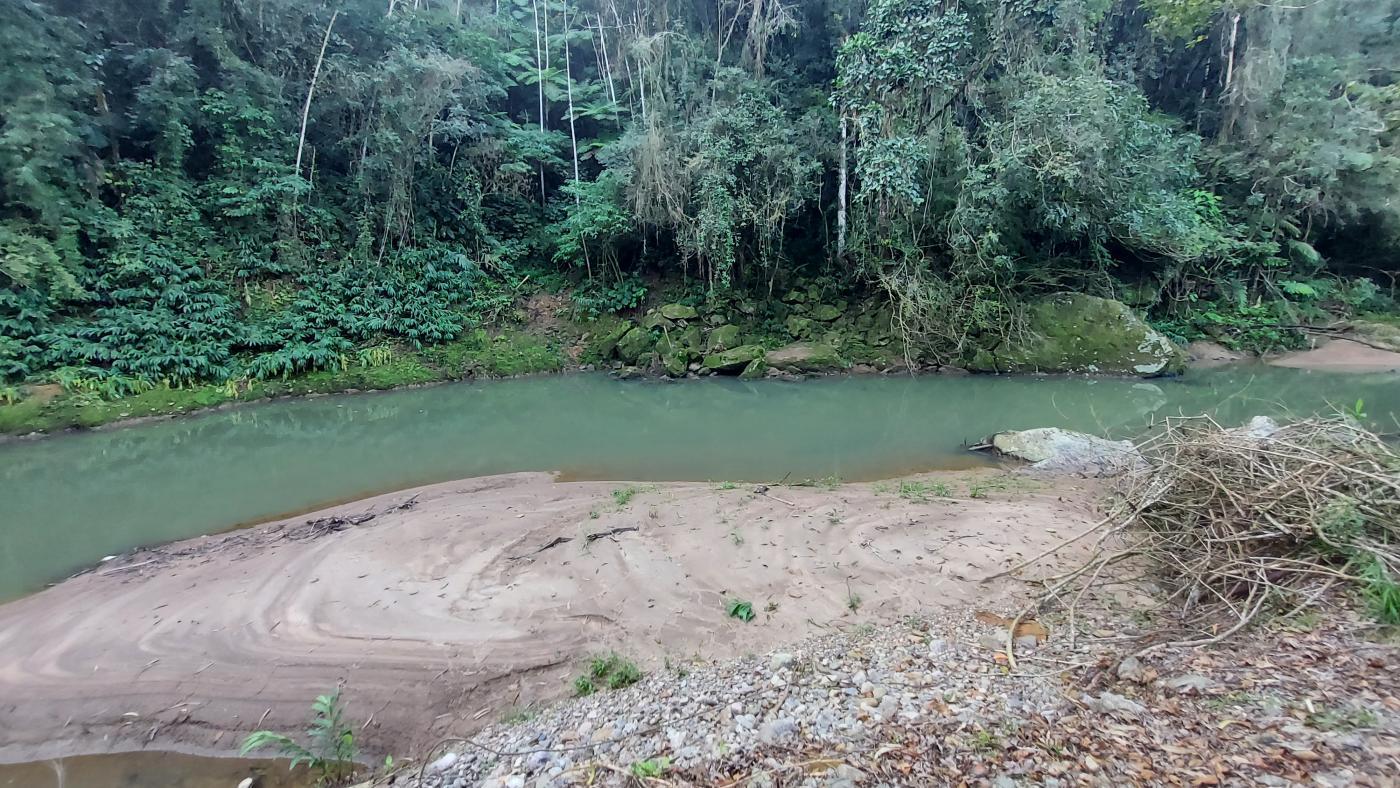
(458, 602)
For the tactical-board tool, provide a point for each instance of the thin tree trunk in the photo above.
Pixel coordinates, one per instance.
(1230, 95)
(607, 65)
(310, 90)
(539, 83)
(569, 90)
(841, 197)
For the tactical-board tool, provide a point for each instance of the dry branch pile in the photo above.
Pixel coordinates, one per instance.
(1255, 518)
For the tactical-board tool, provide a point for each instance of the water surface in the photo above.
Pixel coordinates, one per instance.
(71, 499)
(150, 770)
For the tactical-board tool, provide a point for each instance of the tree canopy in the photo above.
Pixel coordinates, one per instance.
(210, 190)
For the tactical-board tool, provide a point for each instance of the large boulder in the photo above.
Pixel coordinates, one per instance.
(679, 312)
(1073, 332)
(825, 313)
(723, 338)
(734, 360)
(634, 344)
(806, 357)
(1055, 450)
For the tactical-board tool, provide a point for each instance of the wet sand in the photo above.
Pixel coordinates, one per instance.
(482, 596)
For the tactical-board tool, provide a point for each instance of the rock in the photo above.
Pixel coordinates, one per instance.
(824, 313)
(937, 646)
(1073, 332)
(654, 320)
(734, 360)
(1203, 353)
(679, 312)
(443, 764)
(1259, 428)
(1384, 334)
(628, 373)
(780, 660)
(602, 347)
(676, 363)
(777, 730)
(806, 357)
(1190, 684)
(635, 343)
(1113, 704)
(794, 297)
(723, 338)
(1131, 669)
(246, 782)
(755, 369)
(1064, 451)
(798, 326)
(1027, 642)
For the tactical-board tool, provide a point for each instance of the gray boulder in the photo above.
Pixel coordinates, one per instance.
(1054, 450)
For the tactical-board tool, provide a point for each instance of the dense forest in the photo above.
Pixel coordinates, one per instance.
(215, 190)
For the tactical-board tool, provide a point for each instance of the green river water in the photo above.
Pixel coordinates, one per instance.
(71, 499)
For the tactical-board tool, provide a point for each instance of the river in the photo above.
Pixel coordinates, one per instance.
(69, 500)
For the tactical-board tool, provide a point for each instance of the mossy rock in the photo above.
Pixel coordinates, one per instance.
(676, 363)
(1073, 332)
(634, 344)
(601, 347)
(693, 339)
(798, 327)
(723, 338)
(794, 297)
(754, 370)
(806, 357)
(824, 313)
(733, 360)
(679, 312)
(655, 320)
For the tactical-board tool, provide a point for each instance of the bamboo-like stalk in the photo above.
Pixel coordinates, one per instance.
(310, 91)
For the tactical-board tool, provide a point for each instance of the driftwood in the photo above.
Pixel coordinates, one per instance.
(1236, 520)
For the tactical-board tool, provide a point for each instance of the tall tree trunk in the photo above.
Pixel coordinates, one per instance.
(539, 83)
(1230, 95)
(311, 90)
(841, 196)
(569, 89)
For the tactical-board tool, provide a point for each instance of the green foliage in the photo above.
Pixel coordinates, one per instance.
(155, 229)
(651, 768)
(740, 609)
(611, 671)
(330, 748)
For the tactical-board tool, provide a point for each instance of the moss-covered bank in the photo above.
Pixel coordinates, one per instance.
(479, 354)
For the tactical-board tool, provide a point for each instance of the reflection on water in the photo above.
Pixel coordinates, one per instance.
(150, 770)
(71, 499)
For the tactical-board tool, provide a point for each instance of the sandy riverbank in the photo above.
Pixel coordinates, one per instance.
(441, 618)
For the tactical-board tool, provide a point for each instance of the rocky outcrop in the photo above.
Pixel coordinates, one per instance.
(679, 312)
(1073, 332)
(732, 361)
(806, 357)
(634, 344)
(1051, 449)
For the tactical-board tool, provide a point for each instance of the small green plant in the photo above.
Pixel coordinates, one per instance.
(584, 686)
(330, 742)
(1348, 719)
(651, 768)
(985, 742)
(1358, 410)
(922, 492)
(593, 514)
(741, 610)
(726, 486)
(853, 601)
(376, 356)
(736, 537)
(833, 518)
(623, 496)
(771, 607)
(611, 671)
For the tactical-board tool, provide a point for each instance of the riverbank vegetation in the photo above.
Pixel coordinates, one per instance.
(227, 193)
